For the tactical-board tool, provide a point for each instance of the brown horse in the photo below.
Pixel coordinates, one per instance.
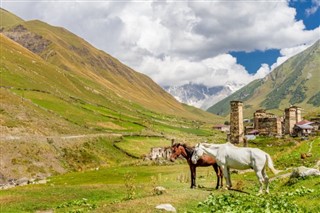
(182, 149)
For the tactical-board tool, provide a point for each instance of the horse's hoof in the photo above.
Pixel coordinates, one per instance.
(259, 193)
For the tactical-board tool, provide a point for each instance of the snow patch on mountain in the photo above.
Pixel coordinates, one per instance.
(201, 96)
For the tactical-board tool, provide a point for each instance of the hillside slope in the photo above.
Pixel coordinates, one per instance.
(86, 73)
(71, 53)
(8, 19)
(295, 82)
(64, 104)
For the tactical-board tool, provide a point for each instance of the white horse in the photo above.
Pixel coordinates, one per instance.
(229, 156)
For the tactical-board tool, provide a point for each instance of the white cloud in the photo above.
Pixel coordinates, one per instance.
(313, 9)
(285, 54)
(262, 71)
(179, 42)
(214, 71)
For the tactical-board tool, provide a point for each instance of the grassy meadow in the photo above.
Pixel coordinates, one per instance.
(128, 185)
(83, 118)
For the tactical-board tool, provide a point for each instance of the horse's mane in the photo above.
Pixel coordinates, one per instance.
(189, 149)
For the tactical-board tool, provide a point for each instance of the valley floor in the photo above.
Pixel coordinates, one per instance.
(130, 188)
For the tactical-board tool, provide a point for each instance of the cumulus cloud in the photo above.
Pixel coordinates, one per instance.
(214, 71)
(183, 41)
(285, 54)
(313, 9)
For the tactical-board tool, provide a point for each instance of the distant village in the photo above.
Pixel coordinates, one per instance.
(241, 130)
(267, 124)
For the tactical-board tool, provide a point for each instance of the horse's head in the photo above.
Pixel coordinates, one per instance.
(197, 154)
(176, 150)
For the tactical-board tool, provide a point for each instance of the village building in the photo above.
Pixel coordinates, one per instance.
(236, 122)
(266, 123)
(157, 153)
(248, 129)
(316, 124)
(221, 127)
(303, 128)
(292, 116)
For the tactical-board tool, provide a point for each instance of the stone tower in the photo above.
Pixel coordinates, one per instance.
(236, 122)
(292, 116)
(298, 114)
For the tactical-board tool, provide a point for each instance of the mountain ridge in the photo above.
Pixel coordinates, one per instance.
(292, 83)
(82, 88)
(199, 95)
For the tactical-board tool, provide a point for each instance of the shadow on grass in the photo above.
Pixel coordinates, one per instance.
(210, 189)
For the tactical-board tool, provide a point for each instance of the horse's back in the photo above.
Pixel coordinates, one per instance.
(241, 158)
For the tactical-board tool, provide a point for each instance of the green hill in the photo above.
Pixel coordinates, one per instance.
(8, 19)
(55, 88)
(295, 82)
(63, 66)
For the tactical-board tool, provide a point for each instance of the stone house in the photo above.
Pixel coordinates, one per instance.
(303, 128)
(267, 123)
(157, 153)
(222, 128)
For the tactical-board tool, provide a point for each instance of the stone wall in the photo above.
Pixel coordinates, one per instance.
(267, 123)
(269, 126)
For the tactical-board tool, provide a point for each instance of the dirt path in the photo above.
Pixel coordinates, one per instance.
(63, 137)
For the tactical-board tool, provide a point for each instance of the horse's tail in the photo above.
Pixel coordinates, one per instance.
(270, 165)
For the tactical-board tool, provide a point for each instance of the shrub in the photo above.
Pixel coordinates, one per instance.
(232, 202)
(129, 179)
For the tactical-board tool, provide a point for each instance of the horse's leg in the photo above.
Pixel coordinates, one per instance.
(260, 179)
(216, 169)
(266, 179)
(226, 175)
(193, 176)
(229, 177)
(221, 176)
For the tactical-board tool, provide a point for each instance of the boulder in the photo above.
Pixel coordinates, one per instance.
(159, 190)
(42, 181)
(22, 181)
(303, 171)
(166, 207)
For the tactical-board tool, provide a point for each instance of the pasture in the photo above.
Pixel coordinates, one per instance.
(130, 187)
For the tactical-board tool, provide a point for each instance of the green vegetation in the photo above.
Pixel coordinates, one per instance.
(299, 95)
(81, 116)
(138, 146)
(8, 19)
(235, 202)
(131, 188)
(315, 100)
(293, 82)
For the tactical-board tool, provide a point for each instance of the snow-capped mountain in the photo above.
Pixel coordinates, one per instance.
(201, 96)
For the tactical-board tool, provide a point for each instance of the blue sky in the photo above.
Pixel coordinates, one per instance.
(213, 43)
(253, 60)
(311, 21)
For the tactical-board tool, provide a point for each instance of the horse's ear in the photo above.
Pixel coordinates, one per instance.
(172, 142)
